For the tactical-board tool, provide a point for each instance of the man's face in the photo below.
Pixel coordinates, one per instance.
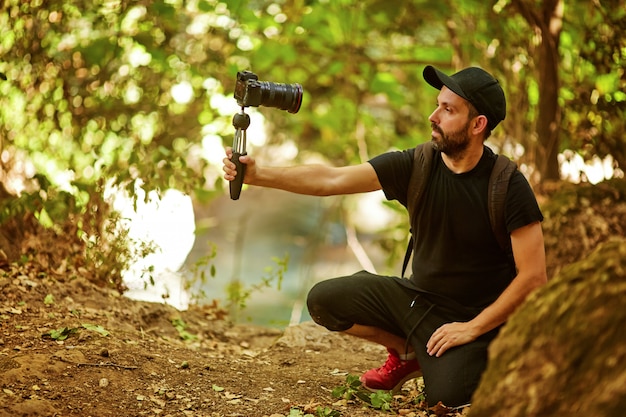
(450, 124)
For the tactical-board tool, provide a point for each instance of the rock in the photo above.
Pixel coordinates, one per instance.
(563, 352)
(309, 335)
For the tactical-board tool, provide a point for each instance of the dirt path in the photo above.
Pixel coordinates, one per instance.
(127, 358)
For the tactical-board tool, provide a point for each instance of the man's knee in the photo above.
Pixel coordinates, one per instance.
(322, 302)
(453, 378)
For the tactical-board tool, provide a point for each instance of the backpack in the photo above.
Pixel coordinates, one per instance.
(496, 195)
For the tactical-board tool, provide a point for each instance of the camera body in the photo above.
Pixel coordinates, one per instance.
(249, 91)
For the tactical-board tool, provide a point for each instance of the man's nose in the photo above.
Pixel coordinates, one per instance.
(433, 117)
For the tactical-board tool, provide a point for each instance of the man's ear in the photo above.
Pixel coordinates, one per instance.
(479, 124)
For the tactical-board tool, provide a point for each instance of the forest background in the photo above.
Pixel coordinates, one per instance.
(115, 102)
(137, 96)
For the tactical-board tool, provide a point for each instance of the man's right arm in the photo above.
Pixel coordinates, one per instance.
(319, 180)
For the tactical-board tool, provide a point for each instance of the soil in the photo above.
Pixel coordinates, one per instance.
(130, 358)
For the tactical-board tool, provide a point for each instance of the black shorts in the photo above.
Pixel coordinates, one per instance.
(388, 304)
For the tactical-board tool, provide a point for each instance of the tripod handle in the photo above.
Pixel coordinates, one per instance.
(237, 183)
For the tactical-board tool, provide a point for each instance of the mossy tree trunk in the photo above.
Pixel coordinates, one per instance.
(563, 352)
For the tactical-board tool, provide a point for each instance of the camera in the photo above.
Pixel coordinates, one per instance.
(249, 91)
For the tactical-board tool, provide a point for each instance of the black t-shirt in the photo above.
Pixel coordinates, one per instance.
(456, 255)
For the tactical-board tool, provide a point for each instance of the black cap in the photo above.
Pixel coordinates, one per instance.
(476, 86)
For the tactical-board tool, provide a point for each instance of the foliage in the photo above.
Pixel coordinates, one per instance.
(103, 93)
(96, 328)
(352, 390)
(594, 86)
(590, 84)
(63, 333)
(197, 277)
(91, 92)
(238, 293)
(180, 326)
(319, 412)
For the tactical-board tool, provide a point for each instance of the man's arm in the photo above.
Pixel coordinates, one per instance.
(317, 180)
(530, 259)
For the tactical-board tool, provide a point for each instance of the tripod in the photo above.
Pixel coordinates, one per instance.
(241, 121)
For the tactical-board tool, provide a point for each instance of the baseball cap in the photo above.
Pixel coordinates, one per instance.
(476, 86)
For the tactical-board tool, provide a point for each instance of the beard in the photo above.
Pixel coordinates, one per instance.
(453, 144)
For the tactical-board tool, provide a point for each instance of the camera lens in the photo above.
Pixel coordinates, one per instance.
(283, 96)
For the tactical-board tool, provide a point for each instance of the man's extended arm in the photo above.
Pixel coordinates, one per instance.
(317, 180)
(530, 259)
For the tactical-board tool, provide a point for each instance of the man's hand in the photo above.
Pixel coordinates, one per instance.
(448, 336)
(230, 170)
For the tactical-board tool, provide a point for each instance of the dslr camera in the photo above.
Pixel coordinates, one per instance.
(249, 91)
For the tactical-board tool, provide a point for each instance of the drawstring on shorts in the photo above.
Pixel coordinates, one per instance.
(408, 336)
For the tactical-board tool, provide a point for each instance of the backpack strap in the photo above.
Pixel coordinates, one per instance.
(407, 255)
(422, 166)
(498, 186)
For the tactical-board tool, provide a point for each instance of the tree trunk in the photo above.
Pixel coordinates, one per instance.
(562, 353)
(547, 23)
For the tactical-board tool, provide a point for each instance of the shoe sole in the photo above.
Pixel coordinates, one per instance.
(398, 387)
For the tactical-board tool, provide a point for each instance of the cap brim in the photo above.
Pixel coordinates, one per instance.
(438, 79)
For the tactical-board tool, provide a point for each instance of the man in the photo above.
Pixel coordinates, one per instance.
(464, 286)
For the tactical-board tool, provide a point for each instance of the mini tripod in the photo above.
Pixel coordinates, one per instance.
(241, 121)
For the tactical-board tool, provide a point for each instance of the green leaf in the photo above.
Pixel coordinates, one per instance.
(44, 219)
(381, 400)
(217, 388)
(61, 333)
(49, 300)
(96, 328)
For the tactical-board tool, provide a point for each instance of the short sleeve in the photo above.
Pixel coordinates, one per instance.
(521, 207)
(394, 173)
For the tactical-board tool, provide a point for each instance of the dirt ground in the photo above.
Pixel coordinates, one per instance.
(128, 358)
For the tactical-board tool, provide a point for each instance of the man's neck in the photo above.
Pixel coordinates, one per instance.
(466, 161)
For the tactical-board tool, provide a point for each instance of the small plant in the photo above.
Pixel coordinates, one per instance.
(181, 327)
(197, 275)
(61, 333)
(353, 389)
(96, 328)
(49, 300)
(349, 389)
(296, 412)
(326, 412)
(238, 294)
(319, 412)
(381, 400)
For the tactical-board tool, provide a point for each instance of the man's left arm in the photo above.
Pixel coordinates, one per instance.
(530, 260)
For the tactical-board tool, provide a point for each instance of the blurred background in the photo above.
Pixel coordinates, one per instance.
(114, 116)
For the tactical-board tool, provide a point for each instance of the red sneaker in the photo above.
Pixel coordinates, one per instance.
(392, 375)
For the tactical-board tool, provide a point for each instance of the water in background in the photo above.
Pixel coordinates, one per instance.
(265, 224)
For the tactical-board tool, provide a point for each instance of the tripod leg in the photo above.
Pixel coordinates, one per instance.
(241, 121)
